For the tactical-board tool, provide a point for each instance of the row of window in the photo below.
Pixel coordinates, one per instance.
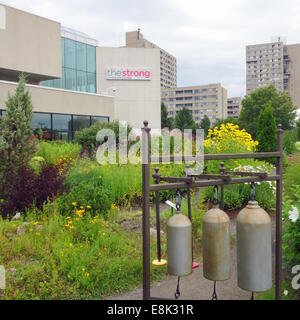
(74, 80)
(64, 125)
(78, 67)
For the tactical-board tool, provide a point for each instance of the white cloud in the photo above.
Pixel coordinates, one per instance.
(207, 37)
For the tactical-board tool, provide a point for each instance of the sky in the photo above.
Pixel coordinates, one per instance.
(208, 38)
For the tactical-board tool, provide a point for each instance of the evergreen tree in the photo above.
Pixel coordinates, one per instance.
(266, 130)
(298, 129)
(166, 122)
(16, 133)
(205, 124)
(164, 116)
(184, 119)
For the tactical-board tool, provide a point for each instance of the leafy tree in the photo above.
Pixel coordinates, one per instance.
(225, 121)
(16, 133)
(257, 101)
(266, 130)
(205, 124)
(184, 119)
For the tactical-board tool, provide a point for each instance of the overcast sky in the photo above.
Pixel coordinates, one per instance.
(207, 37)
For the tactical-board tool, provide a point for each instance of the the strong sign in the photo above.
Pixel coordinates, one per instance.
(127, 73)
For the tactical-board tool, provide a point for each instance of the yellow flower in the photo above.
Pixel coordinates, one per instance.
(74, 204)
(37, 234)
(88, 206)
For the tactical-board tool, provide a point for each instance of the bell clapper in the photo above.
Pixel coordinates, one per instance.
(214, 296)
(177, 292)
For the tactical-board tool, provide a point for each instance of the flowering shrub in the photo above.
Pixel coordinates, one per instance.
(229, 139)
(86, 193)
(64, 164)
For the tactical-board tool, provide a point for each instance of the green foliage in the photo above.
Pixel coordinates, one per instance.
(258, 100)
(291, 229)
(292, 175)
(266, 131)
(55, 150)
(16, 134)
(89, 193)
(120, 184)
(87, 137)
(36, 163)
(237, 196)
(298, 129)
(184, 119)
(205, 124)
(289, 141)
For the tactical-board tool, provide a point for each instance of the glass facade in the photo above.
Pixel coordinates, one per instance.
(62, 126)
(78, 67)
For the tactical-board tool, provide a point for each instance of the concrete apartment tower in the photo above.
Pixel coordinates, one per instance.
(234, 107)
(274, 63)
(168, 63)
(210, 100)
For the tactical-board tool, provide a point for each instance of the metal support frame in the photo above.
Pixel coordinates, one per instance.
(221, 180)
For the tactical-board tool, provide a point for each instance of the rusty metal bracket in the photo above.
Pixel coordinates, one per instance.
(208, 176)
(262, 175)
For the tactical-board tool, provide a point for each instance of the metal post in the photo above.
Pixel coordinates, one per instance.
(278, 250)
(222, 172)
(146, 213)
(156, 178)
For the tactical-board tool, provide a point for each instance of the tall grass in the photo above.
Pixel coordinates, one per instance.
(52, 151)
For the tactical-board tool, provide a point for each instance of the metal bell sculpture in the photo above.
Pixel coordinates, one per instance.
(254, 247)
(179, 244)
(216, 243)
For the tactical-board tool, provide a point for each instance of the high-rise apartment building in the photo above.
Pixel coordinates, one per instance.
(234, 107)
(210, 100)
(168, 63)
(274, 63)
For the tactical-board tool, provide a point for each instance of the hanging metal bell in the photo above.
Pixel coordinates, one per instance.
(216, 245)
(254, 248)
(179, 245)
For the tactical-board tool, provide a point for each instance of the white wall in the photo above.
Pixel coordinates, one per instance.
(135, 100)
(46, 99)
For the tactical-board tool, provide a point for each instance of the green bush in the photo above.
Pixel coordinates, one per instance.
(289, 140)
(87, 137)
(55, 150)
(86, 194)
